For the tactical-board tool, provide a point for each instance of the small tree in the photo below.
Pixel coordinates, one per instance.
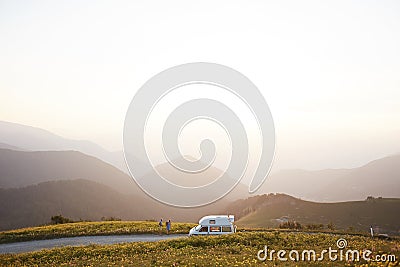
(59, 219)
(331, 226)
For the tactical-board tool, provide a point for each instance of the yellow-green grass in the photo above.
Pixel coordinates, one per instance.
(230, 250)
(89, 228)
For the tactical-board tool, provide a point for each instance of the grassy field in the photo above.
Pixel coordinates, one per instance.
(231, 250)
(116, 228)
(88, 228)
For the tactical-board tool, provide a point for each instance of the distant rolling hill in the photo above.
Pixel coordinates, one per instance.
(35, 204)
(87, 200)
(23, 168)
(270, 210)
(7, 146)
(377, 178)
(32, 138)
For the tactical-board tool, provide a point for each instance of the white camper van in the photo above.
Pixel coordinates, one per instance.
(214, 225)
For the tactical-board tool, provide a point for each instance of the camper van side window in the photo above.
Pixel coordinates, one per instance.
(204, 229)
(226, 229)
(215, 229)
(212, 221)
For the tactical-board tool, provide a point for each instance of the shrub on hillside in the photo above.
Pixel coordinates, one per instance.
(331, 226)
(59, 219)
(290, 225)
(314, 226)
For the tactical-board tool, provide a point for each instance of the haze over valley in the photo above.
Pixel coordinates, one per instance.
(42, 175)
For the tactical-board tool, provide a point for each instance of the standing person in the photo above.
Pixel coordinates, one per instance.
(160, 223)
(168, 225)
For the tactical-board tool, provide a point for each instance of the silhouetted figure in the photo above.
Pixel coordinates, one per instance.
(160, 224)
(168, 226)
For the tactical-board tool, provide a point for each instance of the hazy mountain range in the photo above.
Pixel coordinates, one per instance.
(42, 174)
(377, 178)
(35, 139)
(24, 168)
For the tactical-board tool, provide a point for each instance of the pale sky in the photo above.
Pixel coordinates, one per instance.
(329, 70)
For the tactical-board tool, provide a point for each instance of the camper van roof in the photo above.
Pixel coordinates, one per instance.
(218, 218)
